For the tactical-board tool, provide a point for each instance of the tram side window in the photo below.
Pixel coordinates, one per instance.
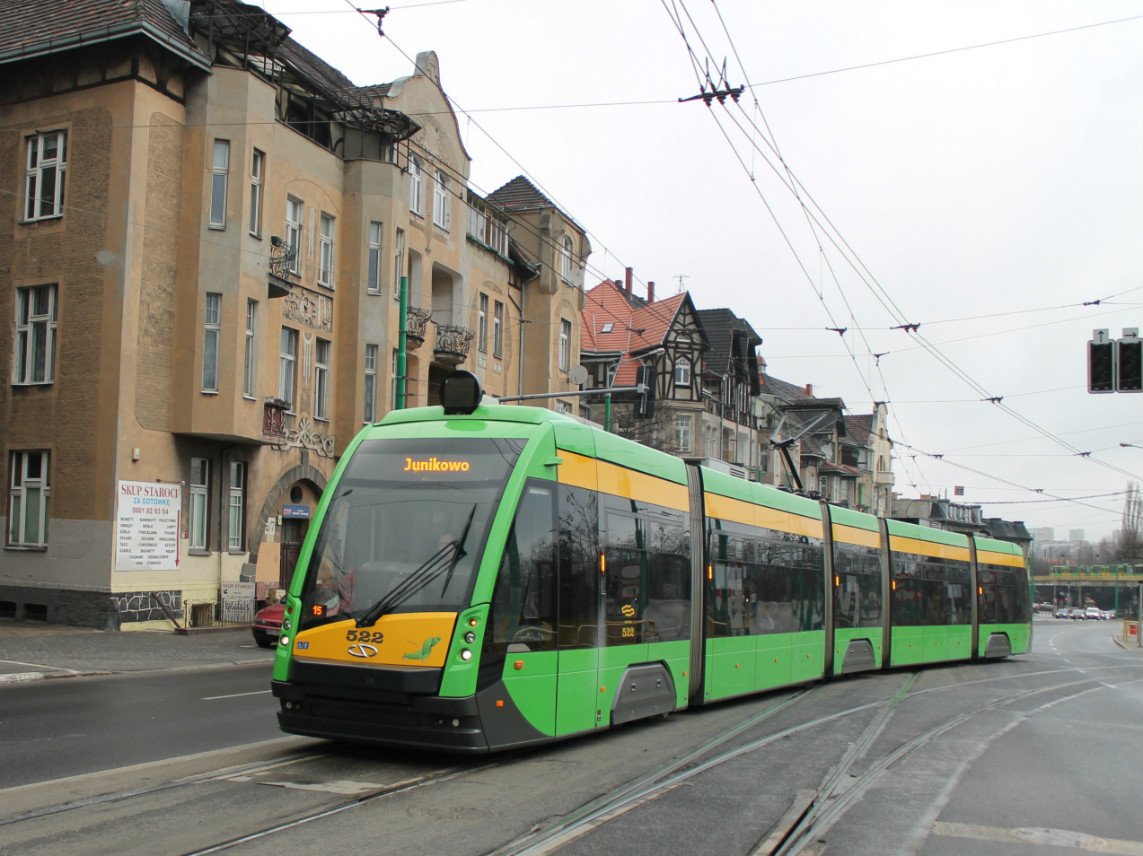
(523, 613)
(857, 589)
(930, 591)
(764, 582)
(578, 568)
(1003, 595)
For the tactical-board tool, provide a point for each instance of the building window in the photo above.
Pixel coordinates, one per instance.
(212, 323)
(562, 406)
(321, 380)
(325, 256)
(373, 280)
(442, 210)
(398, 262)
(35, 357)
(236, 531)
(199, 502)
(565, 345)
(396, 377)
(294, 232)
(683, 372)
(288, 366)
(250, 361)
(45, 181)
(257, 169)
(371, 383)
(29, 486)
(219, 170)
(498, 330)
(683, 434)
(565, 258)
(482, 324)
(416, 187)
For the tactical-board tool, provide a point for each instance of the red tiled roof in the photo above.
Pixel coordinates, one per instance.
(636, 326)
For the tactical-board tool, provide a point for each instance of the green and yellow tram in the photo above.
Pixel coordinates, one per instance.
(483, 577)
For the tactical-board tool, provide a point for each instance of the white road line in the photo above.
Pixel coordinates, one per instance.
(235, 695)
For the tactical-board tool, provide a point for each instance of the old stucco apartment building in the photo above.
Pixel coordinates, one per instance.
(202, 233)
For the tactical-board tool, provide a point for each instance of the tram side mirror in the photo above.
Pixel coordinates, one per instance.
(460, 393)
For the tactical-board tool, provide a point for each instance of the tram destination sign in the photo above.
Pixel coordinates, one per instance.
(147, 526)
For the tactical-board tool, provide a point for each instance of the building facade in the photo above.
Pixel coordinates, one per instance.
(206, 234)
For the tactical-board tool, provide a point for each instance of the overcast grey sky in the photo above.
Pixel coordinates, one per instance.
(972, 167)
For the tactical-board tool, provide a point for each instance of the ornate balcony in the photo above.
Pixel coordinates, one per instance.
(273, 425)
(452, 344)
(283, 257)
(416, 322)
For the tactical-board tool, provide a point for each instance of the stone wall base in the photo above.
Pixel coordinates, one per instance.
(102, 610)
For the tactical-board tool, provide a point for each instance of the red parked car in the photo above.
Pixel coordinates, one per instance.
(268, 624)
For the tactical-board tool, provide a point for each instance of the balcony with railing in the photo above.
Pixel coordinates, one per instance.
(452, 344)
(416, 322)
(283, 262)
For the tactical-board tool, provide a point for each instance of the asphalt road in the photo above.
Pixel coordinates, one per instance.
(53, 729)
(1036, 755)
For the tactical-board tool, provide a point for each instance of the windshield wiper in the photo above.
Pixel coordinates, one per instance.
(442, 561)
(456, 557)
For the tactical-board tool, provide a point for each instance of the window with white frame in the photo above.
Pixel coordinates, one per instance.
(326, 249)
(398, 262)
(28, 488)
(294, 213)
(257, 170)
(212, 324)
(442, 207)
(683, 434)
(371, 383)
(416, 186)
(565, 345)
(373, 276)
(498, 330)
(250, 356)
(236, 529)
(220, 168)
(321, 380)
(565, 258)
(482, 324)
(199, 503)
(44, 186)
(35, 356)
(288, 366)
(682, 372)
(396, 378)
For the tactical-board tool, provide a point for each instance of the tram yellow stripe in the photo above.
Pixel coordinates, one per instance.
(593, 474)
(899, 544)
(738, 511)
(1009, 559)
(853, 535)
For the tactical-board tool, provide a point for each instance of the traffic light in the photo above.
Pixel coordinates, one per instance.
(645, 405)
(1100, 363)
(1130, 352)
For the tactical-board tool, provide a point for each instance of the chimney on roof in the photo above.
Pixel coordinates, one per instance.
(651, 292)
(618, 284)
(810, 390)
(629, 275)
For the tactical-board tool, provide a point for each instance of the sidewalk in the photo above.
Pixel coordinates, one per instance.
(31, 652)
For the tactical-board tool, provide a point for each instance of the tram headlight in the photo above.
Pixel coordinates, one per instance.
(465, 654)
(469, 637)
(284, 640)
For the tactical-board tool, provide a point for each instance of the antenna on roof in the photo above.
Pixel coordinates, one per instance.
(680, 277)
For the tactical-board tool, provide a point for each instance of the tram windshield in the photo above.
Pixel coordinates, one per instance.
(406, 527)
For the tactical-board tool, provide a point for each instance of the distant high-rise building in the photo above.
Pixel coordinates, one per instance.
(1045, 533)
(1075, 534)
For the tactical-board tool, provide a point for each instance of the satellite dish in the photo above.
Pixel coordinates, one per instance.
(578, 375)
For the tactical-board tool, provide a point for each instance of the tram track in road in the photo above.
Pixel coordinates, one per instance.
(807, 819)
